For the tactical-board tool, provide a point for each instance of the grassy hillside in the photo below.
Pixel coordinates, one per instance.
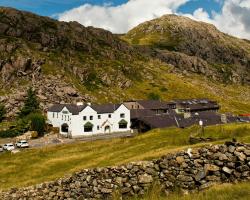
(239, 191)
(39, 165)
(193, 46)
(67, 62)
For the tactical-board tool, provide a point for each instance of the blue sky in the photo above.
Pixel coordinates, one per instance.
(51, 7)
(120, 16)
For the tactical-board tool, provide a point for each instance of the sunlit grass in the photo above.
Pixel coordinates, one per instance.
(39, 165)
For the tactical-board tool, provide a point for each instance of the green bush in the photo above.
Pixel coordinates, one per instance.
(154, 96)
(37, 123)
(21, 127)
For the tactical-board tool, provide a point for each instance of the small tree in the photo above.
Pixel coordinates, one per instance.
(2, 112)
(37, 123)
(31, 104)
(154, 96)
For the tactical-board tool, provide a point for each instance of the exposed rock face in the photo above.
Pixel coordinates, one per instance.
(195, 46)
(54, 57)
(200, 171)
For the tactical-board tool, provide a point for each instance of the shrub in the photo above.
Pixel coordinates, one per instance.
(37, 123)
(154, 96)
(21, 127)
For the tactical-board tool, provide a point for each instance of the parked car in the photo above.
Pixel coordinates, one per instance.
(8, 147)
(22, 144)
(1, 148)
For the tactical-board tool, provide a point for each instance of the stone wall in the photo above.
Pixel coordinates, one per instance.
(197, 170)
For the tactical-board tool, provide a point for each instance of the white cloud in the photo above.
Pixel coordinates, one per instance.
(233, 19)
(120, 19)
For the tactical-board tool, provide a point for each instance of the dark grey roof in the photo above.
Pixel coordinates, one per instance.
(136, 113)
(74, 109)
(193, 101)
(208, 118)
(153, 104)
(159, 121)
(105, 108)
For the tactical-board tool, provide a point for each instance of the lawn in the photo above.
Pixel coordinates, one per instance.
(39, 165)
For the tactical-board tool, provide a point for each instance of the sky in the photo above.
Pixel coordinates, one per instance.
(119, 16)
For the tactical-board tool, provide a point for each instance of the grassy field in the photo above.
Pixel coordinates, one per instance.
(240, 191)
(39, 165)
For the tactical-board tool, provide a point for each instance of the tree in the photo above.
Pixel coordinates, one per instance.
(31, 104)
(37, 123)
(2, 112)
(154, 96)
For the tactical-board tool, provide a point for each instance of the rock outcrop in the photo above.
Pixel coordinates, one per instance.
(199, 170)
(191, 45)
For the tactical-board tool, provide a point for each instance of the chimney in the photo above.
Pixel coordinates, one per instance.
(89, 104)
(79, 103)
(224, 118)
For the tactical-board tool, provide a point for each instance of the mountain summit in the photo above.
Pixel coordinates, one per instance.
(194, 46)
(167, 58)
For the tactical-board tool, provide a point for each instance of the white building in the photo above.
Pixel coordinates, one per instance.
(85, 120)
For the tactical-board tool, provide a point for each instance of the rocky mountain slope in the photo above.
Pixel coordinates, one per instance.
(67, 62)
(32, 48)
(195, 47)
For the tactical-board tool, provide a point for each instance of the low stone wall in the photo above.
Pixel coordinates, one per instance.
(197, 170)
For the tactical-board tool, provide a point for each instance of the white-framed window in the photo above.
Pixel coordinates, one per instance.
(110, 115)
(99, 116)
(53, 115)
(98, 127)
(122, 115)
(91, 118)
(84, 118)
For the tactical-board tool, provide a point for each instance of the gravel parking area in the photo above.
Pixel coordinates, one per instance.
(52, 140)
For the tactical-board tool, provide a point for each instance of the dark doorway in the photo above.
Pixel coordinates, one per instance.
(65, 128)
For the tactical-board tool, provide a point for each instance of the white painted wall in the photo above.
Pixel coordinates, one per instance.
(76, 122)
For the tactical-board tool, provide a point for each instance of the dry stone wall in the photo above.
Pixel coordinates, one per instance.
(197, 170)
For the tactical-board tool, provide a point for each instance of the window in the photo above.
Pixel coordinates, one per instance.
(98, 127)
(99, 116)
(62, 117)
(57, 115)
(53, 115)
(84, 118)
(65, 112)
(132, 106)
(91, 117)
(122, 115)
(109, 115)
(88, 127)
(123, 124)
(68, 118)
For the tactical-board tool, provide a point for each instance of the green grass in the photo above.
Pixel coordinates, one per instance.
(39, 165)
(240, 191)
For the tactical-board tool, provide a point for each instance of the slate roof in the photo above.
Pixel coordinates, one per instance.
(159, 121)
(196, 104)
(137, 113)
(208, 118)
(75, 109)
(105, 108)
(153, 104)
(163, 121)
